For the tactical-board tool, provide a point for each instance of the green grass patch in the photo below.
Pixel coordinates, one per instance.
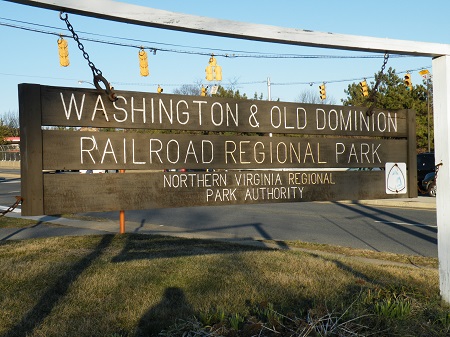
(7, 222)
(420, 261)
(137, 285)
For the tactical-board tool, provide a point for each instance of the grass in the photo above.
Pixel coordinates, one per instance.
(8, 222)
(136, 285)
(420, 261)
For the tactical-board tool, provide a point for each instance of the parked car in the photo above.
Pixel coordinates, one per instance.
(425, 165)
(429, 184)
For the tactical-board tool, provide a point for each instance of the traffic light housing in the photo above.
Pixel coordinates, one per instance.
(63, 50)
(159, 90)
(213, 70)
(218, 73)
(143, 62)
(408, 81)
(322, 91)
(364, 89)
(203, 91)
(209, 73)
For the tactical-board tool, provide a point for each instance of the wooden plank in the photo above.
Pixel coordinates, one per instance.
(140, 15)
(72, 150)
(74, 193)
(83, 107)
(31, 149)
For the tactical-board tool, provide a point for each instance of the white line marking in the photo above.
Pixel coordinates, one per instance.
(404, 224)
(4, 208)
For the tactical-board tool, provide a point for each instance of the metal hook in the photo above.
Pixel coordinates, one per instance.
(63, 16)
(108, 90)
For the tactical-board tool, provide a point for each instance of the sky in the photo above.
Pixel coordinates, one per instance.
(29, 52)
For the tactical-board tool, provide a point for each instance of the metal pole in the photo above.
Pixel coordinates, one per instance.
(269, 95)
(122, 215)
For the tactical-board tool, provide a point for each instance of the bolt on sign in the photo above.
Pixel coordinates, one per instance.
(211, 151)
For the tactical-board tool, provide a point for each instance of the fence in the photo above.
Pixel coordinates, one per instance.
(10, 153)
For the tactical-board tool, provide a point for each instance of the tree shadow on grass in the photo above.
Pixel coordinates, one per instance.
(55, 293)
(139, 247)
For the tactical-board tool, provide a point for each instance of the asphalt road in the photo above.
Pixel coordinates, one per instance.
(396, 230)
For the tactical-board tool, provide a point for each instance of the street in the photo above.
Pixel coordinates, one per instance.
(396, 230)
(356, 225)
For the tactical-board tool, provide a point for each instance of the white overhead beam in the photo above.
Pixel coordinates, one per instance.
(145, 16)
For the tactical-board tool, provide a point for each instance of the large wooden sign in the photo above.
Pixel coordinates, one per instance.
(258, 151)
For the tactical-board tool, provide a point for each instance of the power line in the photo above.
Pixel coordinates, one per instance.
(207, 51)
(226, 53)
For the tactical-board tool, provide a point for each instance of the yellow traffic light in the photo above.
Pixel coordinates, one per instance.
(203, 91)
(213, 70)
(143, 62)
(364, 89)
(218, 73)
(63, 49)
(159, 90)
(408, 81)
(209, 73)
(322, 91)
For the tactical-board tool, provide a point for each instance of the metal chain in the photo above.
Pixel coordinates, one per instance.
(98, 77)
(12, 207)
(436, 170)
(373, 95)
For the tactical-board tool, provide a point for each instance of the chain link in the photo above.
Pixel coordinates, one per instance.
(12, 207)
(98, 77)
(373, 95)
(436, 170)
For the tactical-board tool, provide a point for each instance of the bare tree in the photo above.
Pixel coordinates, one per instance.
(188, 89)
(10, 120)
(312, 96)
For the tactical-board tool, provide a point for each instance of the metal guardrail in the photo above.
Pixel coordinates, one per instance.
(10, 152)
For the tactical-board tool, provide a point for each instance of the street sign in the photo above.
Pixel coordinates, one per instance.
(424, 73)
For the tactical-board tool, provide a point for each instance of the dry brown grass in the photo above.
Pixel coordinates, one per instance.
(133, 285)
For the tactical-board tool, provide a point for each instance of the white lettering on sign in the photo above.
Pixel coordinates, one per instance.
(73, 102)
(263, 178)
(172, 152)
(175, 112)
(222, 194)
(283, 152)
(355, 121)
(282, 118)
(125, 112)
(248, 187)
(195, 180)
(311, 178)
(249, 153)
(359, 153)
(274, 193)
(100, 106)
